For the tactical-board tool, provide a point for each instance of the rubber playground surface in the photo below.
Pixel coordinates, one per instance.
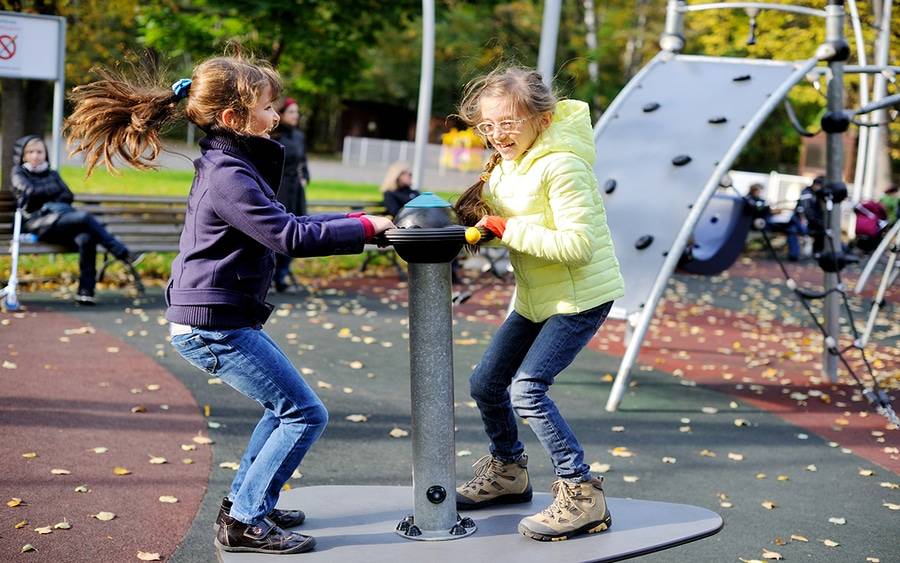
(727, 411)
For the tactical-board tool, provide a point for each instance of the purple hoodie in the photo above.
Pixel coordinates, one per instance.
(233, 227)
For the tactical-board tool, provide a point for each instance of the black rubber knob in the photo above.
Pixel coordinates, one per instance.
(644, 242)
(652, 106)
(717, 120)
(436, 494)
(681, 160)
(610, 186)
(741, 78)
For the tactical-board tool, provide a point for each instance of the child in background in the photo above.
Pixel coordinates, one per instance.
(216, 296)
(539, 196)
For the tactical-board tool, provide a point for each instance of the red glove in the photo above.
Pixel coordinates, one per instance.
(495, 224)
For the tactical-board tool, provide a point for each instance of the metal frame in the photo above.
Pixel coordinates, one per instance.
(890, 243)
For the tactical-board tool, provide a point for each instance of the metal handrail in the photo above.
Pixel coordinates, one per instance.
(758, 5)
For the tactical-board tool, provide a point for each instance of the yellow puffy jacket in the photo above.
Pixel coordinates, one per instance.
(559, 243)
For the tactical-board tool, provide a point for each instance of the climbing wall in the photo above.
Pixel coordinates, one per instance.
(658, 145)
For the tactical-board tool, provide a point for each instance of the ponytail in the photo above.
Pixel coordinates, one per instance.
(116, 117)
(471, 205)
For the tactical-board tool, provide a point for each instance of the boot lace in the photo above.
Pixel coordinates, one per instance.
(485, 470)
(566, 493)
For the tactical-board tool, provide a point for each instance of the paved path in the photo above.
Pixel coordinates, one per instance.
(705, 396)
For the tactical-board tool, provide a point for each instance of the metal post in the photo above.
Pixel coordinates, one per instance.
(549, 33)
(426, 81)
(59, 93)
(834, 147)
(672, 38)
(431, 392)
(875, 144)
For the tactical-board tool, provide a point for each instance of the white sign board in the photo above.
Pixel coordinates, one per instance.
(29, 46)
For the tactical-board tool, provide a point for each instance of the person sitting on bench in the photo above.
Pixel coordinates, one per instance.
(46, 205)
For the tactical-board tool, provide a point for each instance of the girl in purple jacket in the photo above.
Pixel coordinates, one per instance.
(216, 297)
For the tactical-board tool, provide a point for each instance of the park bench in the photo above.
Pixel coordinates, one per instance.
(147, 223)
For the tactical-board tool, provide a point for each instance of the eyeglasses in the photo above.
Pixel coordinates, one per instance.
(486, 128)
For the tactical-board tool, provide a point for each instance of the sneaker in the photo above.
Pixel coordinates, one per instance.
(264, 537)
(495, 482)
(282, 518)
(84, 297)
(579, 508)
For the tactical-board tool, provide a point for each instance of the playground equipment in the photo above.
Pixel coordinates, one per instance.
(698, 113)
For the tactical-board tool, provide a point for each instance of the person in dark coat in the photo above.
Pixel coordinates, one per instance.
(396, 188)
(294, 178)
(808, 218)
(45, 201)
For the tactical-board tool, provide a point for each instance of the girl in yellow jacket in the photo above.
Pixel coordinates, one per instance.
(539, 196)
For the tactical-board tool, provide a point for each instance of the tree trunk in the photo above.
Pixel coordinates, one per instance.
(635, 44)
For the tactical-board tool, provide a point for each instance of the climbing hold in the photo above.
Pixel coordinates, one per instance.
(741, 78)
(609, 186)
(644, 242)
(714, 219)
(652, 106)
(681, 160)
(718, 120)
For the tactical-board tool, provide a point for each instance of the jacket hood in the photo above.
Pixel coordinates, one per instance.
(570, 131)
(19, 149)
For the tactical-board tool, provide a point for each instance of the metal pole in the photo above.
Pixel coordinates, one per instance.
(834, 153)
(862, 142)
(59, 93)
(672, 38)
(431, 375)
(426, 81)
(875, 144)
(549, 33)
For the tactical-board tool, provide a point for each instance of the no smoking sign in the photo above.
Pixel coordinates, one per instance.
(7, 47)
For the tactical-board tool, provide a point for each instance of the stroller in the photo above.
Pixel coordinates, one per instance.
(871, 224)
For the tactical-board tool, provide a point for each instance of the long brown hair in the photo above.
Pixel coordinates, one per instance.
(122, 116)
(526, 91)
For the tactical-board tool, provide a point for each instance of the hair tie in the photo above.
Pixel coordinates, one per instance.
(181, 87)
(485, 176)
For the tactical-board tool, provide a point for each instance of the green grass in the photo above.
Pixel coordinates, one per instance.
(178, 183)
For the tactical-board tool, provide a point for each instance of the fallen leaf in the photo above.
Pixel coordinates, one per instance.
(709, 410)
(139, 409)
(64, 525)
(44, 530)
(795, 537)
(154, 460)
(838, 521)
(82, 489)
(29, 455)
(121, 471)
(104, 516)
(621, 451)
(168, 499)
(202, 440)
(735, 457)
(830, 543)
(153, 387)
(707, 453)
(233, 465)
(356, 418)
(618, 429)
(187, 461)
(324, 385)
(630, 478)
(188, 447)
(769, 505)
(463, 453)
(214, 381)
(27, 547)
(774, 555)
(891, 505)
(145, 556)
(9, 365)
(100, 450)
(60, 472)
(669, 460)
(866, 472)
(812, 468)
(739, 422)
(356, 364)
(12, 503)
(21, 524)
(398, 433)
(296, 474)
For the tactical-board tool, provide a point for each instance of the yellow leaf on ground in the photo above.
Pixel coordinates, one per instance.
(14, 502)
(707, 453)
(155, 460)
(630, 478)
(104, 516)
(735, 457)
(82, 489)
(168, 499)
(891, 506)
(27, 547)
(202, 440)
(29, 455)
(838, 521)
(233, 465)
(100, 450)
(795, 537)
(621, 451)
(324, 385)
(64, 525)
(60, 472)
(772, 555)
(356, 418)
(830, 543)
(398, 433)
(121, 471)
(866, 472)
(145, 556)
(44, 530)
(20, 525)
(188, 447)
(769, 505)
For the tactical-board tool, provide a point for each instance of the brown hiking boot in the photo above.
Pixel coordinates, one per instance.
(578, 508)
(495, 482)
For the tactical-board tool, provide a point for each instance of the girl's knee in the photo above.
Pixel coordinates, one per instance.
(481, 390)
(525, 396)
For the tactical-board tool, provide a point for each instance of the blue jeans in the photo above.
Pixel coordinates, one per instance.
(794, 229)
(514, 376)
(250, 361)
(85, 232)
